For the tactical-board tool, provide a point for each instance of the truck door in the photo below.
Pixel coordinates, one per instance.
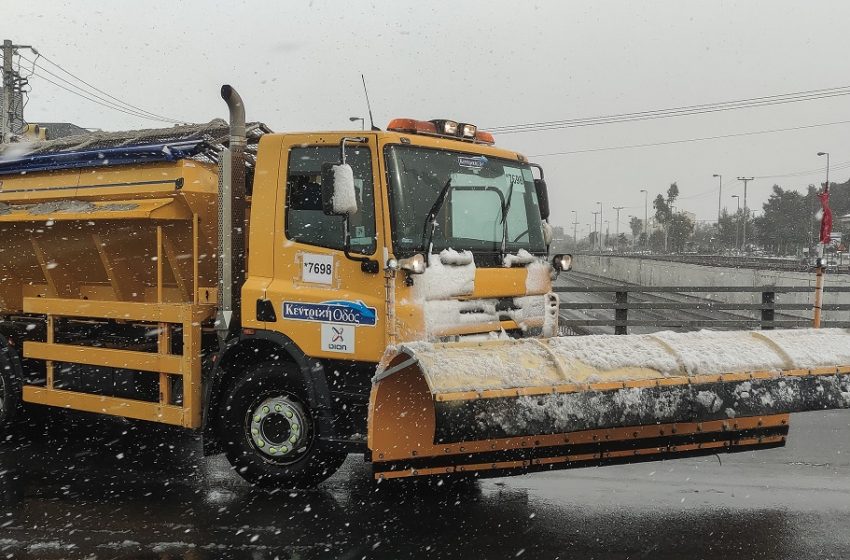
(330, 305)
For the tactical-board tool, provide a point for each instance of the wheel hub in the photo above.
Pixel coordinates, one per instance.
(278, 427)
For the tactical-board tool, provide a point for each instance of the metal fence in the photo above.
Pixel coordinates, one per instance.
(765, 312)
(729, 261)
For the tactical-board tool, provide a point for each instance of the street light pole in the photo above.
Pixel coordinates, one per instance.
(826, 187)
(362, 121)
(738, 216)
(575, 228)
(617, 228)
(595, 243)
(746, 213)
(645, 217)
(600, 224)
(719, 196)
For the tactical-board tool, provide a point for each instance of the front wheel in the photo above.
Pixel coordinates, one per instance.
(271, 436)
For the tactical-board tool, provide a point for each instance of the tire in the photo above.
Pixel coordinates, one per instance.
(270, 435)
(10, 390)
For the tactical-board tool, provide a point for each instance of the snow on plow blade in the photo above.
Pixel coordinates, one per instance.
(503, 406)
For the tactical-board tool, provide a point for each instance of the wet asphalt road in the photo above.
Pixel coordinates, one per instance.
(101, 488)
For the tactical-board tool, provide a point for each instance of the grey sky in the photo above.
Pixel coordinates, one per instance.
(298, 67)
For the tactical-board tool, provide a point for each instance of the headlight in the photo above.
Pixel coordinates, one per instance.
(562, 262)
(414, 264)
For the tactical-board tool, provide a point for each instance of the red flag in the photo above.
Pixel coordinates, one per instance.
(826, 220)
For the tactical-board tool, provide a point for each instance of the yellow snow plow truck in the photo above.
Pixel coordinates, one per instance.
(297, 297)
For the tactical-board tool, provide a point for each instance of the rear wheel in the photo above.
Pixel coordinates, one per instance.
(270, 434)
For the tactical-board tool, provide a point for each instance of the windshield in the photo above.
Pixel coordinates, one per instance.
(489, 201)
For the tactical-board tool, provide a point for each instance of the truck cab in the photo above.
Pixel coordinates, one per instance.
(446, 242)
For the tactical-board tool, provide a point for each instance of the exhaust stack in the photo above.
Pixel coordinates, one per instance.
(231, 219)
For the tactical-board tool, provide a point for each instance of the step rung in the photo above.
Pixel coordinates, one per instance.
(106, 357)
(128, 408)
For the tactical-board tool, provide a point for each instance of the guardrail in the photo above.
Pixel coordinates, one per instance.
(761, 263)
(767, 308)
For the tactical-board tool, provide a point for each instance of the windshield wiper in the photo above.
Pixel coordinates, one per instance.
(431, 220)
(505, 208)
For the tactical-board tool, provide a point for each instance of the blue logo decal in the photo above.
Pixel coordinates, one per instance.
(344, 312)
(475, 162)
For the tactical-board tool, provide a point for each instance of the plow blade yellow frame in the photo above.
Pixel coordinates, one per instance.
(511, 406)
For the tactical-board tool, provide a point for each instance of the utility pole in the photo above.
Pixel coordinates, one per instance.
(594, 244)
(738, 220)
(10, 85)
(600, 224)
(745, 180)
(617, 228)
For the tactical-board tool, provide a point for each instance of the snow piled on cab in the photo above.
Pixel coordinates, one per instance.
(522, 257)
(538, 279)
(345, 195)
(449, 274)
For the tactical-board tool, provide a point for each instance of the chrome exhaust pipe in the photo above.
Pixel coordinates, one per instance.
(231, 219)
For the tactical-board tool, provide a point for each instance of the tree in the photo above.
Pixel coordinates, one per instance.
(664, 209)
(728, 229)
(784, 226)
(679, 231)
(636, 224)
(622, 242)
(656, 240)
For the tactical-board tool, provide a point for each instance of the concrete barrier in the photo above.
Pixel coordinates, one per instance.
(649, 272)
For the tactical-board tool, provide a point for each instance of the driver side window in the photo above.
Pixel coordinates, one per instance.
(305, 220)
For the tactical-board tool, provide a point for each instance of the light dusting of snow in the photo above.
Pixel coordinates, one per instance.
(444, 314)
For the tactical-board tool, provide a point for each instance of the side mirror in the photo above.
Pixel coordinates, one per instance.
(562, 263)
(339, 197)
(542, 198)
(542, 193)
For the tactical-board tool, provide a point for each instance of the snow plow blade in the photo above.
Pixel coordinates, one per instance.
(512, 406)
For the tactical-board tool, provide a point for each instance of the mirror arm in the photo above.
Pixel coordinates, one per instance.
(345, 139)
(366, 264)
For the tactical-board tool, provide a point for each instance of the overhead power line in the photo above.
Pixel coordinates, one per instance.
(686, 140)
(87, 98)
(763, 101)
(109, 100)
